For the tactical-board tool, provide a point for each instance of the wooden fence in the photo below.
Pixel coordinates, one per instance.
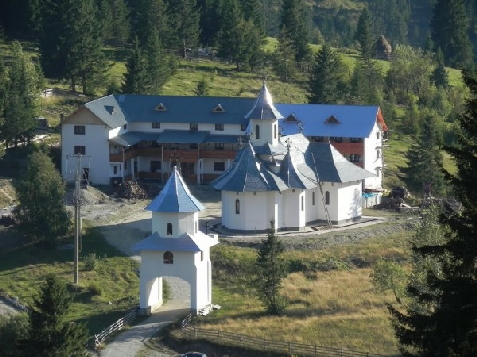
(290, 348)
(118, 325)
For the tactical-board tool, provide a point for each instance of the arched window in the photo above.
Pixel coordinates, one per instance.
(313, 198)
(237, 206)
(257, 131)
(274, 131)
(168, 258)
(302, 203)
(327, 197)
(169, 229)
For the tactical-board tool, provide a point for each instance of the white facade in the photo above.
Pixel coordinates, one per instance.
(292, 209)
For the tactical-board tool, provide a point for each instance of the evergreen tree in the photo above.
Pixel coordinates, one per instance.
(252, 10)
(50, 333)
(115, 20)
(13, 329)
(85, 61)
(271, 270)
(148, 15)
(327, 84)
(294, 28)
(159, 65)
(185, 18)
(364, 36)
(449, 26)
(447, 328)
(367, 83)
(284, 63)
(202, 88)
(53, 36)
(21, 98)
(210, 21)
(238, 41)
(41, 212)
(440, 76)
(425, 159)
(135, 78)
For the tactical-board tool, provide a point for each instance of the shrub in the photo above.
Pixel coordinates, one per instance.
(90, 261)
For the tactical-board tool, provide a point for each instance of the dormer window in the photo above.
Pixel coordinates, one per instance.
(218, 109)
(291, 118)
(332, 120)
(160, 108)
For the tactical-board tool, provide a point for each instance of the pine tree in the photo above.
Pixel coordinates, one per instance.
(364, 36)
(448, 327)
(425, 159)
(210, 21)
(326, 84)
(238, 40)
(294, 28)
(21, 98)
(202, 88)
(449, 26)
(152, 14)
(50, 333)
(159, 65)
(185, 18)
(271, 270)
(135, 78)
(115, 20)
(284, 63)
(440, 76)
(41, 212)
(85, 61)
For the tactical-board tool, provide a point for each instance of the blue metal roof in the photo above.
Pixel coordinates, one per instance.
(182, 136)
(263, 107)
(226, 139)
(175, 197)
(186, 243)
(354, 121)
(182, 109)
(246, 174)
(133, 137)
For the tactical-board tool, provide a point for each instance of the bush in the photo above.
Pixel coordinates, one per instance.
(90, 261)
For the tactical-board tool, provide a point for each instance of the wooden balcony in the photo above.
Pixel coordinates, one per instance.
(189, 155)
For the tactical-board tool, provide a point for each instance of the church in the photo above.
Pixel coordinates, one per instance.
(287, 179)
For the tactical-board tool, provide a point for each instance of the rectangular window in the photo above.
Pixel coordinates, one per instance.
(80, 150)
(318, 139)
(354, 158)
(243, 127)
(219, 146)
(115, 170)
(155, 166)
(336, 139)
(80, 130)
(219, 166)
(156, 125)
(194, 146)
(194, 127)
(125, 126)
(219, 127)
(355, 140)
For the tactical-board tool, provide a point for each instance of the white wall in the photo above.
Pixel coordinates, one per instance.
(181, 223)
(192, 267)
(371, 160)
(349, 198)
(229, 129)
(266, 132)
(97, 152)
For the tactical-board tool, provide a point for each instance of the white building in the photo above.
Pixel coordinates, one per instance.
(176, 247)
(142, 137)
(287, 179)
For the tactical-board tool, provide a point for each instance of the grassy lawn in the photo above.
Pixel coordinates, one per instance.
(332, 308)
(102, 295)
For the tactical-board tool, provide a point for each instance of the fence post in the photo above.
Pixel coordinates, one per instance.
(289, 348)
(195, 332)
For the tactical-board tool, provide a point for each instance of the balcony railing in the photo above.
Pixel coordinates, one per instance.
(191, 155)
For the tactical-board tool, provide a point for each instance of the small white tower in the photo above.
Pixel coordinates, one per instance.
(263, 119)
(176, 247)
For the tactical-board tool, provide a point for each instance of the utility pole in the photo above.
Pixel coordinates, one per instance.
(77, 214)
